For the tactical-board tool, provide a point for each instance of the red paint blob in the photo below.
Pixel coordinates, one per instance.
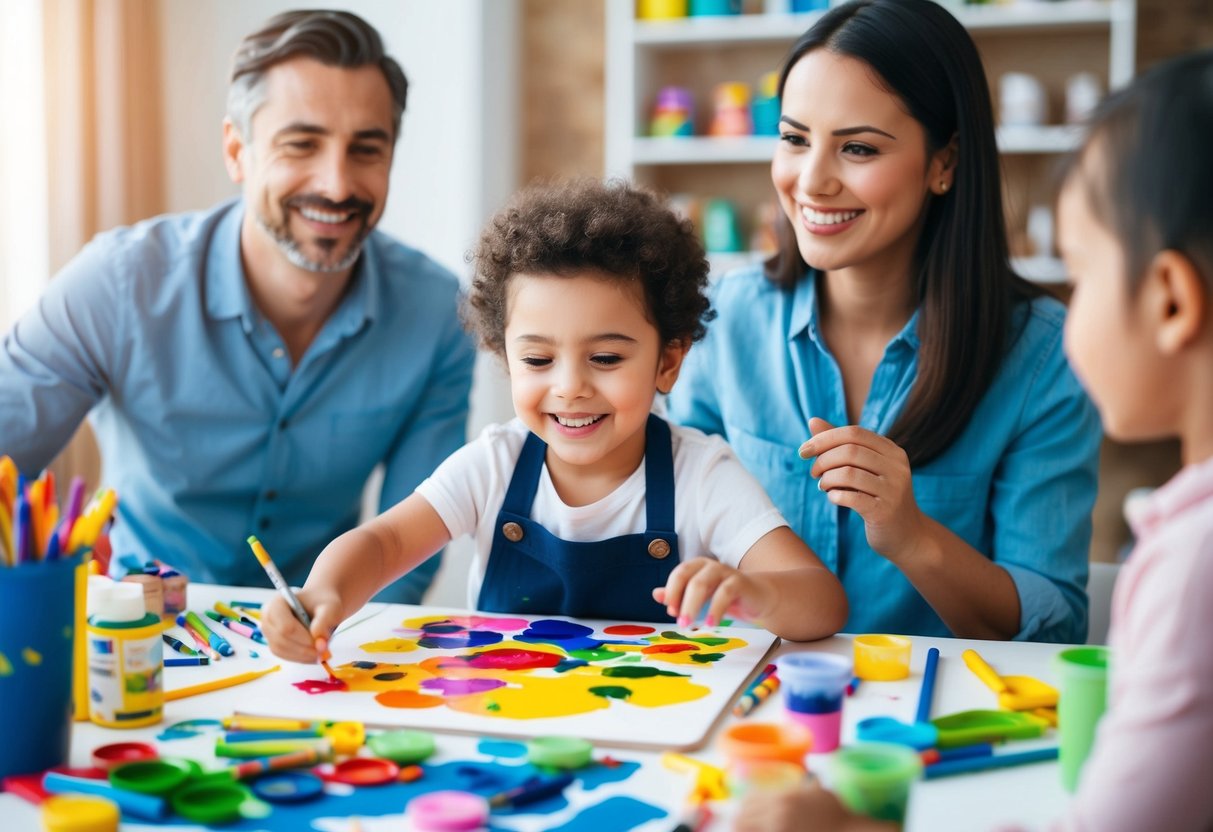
(670, 648)
(314, 686)
(407, 699)
(629, 630)
(509, 658)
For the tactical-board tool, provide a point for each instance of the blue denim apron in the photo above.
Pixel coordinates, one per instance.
(532, 571)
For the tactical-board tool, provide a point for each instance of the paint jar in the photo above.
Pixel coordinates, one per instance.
(746, 743)
(80, 813)
(874, 778)
(661, 9)
(814, 687)
(37, 622)
(882, 658)
(175, 587)
(153, 591)
(1083, 676)
(125, 658)
(763, 776)
(447, 811)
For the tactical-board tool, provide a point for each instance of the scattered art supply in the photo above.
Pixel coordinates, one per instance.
(758, 691)
(218, 684)
(882, 658)
(302, 758)
(279, 582)
(155, 776)
(115, 754)
(194, 622)
(75, 812)
(142, 806)
(708, 779)
(179, 645)
(559, 752)
(931, 756)
(125, 658)
(918, 735)
(447, 810)
(288, 787)
(947, 768)
(402, 747)
(188, 661)
(238, 627)
(874, 779)
(532, 790)
(209, 801)
(528, 677)
(1015, 693)
(980, 726)
(694, 818)
(361, 771)
(814, 686)
(746, 742)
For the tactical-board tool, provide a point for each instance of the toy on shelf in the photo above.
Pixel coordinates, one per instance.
(672, 113)
(732, 110)
(765, 109)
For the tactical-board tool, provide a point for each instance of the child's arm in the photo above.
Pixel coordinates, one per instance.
(808, 808)
(781, 585)
(350, 571)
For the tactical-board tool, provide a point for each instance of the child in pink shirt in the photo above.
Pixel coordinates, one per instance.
(1135, 220)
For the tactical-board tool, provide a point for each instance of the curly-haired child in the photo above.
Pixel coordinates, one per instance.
(587, 504)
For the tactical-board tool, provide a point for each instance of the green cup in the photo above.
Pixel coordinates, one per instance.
(1083, 676)
(874, 778)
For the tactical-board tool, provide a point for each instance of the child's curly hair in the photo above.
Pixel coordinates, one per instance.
(614, 228)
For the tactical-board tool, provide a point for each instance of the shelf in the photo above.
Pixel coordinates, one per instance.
(701, 150)
(706, 32)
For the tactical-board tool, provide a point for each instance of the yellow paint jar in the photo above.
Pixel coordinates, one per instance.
(882, 658)
(79, 813)
(661, 9)
(125, 658)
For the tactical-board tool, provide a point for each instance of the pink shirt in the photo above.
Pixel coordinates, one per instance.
(1152, 764)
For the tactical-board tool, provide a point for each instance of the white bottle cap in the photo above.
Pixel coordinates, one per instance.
(96, 585)
(118, 602)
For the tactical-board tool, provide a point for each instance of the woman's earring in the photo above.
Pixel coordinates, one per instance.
(943, 185)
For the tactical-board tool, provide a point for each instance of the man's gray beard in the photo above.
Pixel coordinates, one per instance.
(294, 253)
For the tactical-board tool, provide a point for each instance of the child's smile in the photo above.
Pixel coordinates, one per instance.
(585, 362)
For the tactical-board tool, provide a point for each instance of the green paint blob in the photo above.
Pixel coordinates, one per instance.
(639, 672)
(598, 654)
(492, 706)
(706, 658)
(611, 692)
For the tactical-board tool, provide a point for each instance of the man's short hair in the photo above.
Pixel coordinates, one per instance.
(334, 38)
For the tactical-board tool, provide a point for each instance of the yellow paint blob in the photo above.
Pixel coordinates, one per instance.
(6, 669)
(31, 656)
(391, 645)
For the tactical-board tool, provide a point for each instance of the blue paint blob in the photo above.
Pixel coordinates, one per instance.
(501, 748)
(442, 627)
(190, 728)
(556, 628)
(568, 644)
(596, 775)
(364, 665)
(612, 815)
(472, 638)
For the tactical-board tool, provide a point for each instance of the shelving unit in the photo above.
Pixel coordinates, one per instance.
(1050, 40)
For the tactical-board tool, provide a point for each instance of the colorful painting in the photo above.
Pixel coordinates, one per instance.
(611, 683)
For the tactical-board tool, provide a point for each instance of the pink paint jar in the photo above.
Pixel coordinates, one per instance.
(814, 687)
(447, 811)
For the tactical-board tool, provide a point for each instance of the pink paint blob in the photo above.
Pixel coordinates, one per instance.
(629, 630)
(510, 658)
(315, 686)
(460, 687)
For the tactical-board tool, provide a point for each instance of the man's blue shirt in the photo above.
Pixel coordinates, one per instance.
(1017, 484)
(207, 432)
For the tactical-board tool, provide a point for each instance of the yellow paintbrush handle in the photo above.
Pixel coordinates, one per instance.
(988, 675)
(217, 684)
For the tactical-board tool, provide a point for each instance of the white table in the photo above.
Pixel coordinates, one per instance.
(1027, 795)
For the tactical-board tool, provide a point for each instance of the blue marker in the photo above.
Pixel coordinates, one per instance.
(194, 661)
(195, 623)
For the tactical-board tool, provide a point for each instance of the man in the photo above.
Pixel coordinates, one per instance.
(247, 367)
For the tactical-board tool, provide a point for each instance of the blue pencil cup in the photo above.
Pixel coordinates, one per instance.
(37, 604)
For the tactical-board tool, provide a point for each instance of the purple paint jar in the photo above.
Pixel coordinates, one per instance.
(814, 686)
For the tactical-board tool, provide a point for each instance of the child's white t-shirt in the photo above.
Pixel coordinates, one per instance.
(720, 510)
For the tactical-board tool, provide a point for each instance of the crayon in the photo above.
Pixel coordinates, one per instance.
(756, 695)
(179, 645)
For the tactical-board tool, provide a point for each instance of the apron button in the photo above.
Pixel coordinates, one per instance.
(512, 532)
(659, 548)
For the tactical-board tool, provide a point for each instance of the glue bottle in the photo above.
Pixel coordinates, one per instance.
(125, 658)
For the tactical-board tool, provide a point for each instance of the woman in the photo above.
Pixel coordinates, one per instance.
(952, 454)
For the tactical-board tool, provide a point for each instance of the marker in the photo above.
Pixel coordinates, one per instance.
(194, 661)
(931, 756)
(947, 768)
(263, 557)
(246, 630)
(227, 612)
(853, 687)
(214, 639)
(179, 645)
(532, 789)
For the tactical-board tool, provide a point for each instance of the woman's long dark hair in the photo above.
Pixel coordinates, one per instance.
(963, 281)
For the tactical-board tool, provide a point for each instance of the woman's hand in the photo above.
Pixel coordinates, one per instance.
(697, 581)
(286, 636)
(870, 474)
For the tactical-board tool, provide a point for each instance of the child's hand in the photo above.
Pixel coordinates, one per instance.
(807, 808)
(286, 636)
(697, 581)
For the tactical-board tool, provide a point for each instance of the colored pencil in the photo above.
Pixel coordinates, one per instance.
(947, 768)
(263, 557)
(217, 684)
